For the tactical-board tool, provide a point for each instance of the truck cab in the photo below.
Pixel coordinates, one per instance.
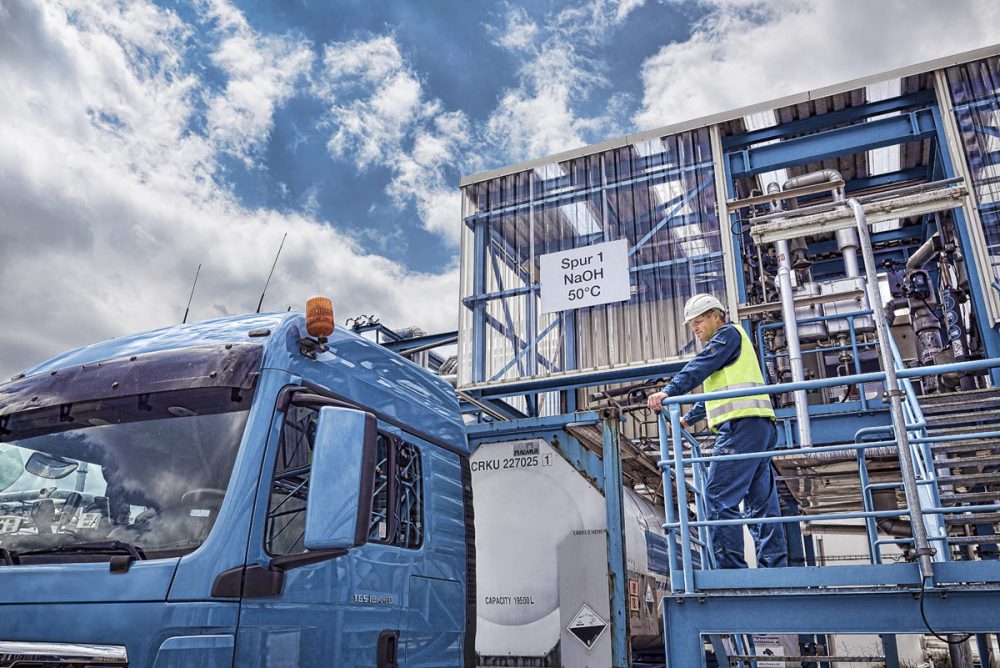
(234, 493)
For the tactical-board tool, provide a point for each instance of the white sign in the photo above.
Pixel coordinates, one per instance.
(586, 276)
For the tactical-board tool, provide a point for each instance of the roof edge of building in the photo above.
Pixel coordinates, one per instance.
(721, 117)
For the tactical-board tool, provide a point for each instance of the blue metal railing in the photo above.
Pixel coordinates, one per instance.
(674, 465)
(855, 345)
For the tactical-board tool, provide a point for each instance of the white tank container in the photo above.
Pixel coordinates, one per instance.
(527, 499)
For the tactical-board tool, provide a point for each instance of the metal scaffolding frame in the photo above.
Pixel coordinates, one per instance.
(952, 131)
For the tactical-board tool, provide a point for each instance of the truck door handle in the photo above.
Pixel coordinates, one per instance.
(388, 644)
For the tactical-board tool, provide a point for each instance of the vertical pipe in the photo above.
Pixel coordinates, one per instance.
(682, 507)
(792, 334)
(847, 243)
(794, 348)
(923, 548)
(617, 574)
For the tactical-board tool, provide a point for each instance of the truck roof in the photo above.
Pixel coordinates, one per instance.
(353, 368)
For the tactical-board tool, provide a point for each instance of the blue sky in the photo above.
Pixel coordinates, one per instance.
(142, 138)
(456, 52)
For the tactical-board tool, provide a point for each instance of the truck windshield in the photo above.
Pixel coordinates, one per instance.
(149, 470)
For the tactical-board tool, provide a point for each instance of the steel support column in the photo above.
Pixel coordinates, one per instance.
(617, 572)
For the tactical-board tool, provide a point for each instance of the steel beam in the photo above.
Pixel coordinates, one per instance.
(686, 620)
(832, 143)
(404, 346)
(829, 119)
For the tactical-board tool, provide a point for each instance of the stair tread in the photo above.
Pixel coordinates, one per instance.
(973, 518)
(969, 478)
(944, 397)
(970, 496)
(958, 462)
(973, 540)
(962, 446)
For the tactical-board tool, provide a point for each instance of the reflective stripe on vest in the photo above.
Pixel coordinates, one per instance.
(742, 374)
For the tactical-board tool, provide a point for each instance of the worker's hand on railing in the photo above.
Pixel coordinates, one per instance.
(655, 400)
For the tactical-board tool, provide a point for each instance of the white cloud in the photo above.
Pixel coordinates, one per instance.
(746, 52)
(108, 199)
(626, 7)
(519, 31)
(556, 77)
(380, 117)
(261, 71)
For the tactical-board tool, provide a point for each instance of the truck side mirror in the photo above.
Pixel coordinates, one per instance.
(341, 484)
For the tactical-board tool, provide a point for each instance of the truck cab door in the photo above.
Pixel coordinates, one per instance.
(332, 607)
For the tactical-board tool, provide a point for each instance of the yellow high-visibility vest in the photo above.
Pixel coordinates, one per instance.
(742, 374)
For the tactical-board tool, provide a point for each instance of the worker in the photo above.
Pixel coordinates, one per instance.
(742, 425)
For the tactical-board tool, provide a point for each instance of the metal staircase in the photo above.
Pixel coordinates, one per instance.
(968, 469)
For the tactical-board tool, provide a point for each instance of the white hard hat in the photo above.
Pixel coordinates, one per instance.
(699, 304)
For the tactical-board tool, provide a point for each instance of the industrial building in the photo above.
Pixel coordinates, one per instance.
(854, 232)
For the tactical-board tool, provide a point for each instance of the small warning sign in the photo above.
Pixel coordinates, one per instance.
(587, 626)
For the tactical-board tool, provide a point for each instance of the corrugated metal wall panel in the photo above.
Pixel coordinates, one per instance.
(659, 195)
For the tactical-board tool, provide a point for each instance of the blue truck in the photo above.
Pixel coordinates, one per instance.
(234, 493)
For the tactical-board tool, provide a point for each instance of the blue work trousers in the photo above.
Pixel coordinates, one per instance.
(752, 482)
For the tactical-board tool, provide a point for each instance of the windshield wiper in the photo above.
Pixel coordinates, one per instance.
(119, 563)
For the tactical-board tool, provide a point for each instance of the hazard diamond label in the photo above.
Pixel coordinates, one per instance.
(587, 626)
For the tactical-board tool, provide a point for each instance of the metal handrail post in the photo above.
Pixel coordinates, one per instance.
(700, 509)
(682, 507)
(923, 548)
(868, 504)
(668, 499)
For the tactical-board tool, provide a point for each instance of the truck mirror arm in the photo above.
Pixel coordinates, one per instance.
(257, 580)
(290, 561)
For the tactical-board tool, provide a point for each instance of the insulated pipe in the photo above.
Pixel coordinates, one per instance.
(920, 542)
(885, 499)
(847, 243)
(792, 333)
(813, 178)
(923, 254)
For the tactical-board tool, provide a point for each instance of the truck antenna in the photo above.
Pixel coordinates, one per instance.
(188, 309)
(276, 255)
